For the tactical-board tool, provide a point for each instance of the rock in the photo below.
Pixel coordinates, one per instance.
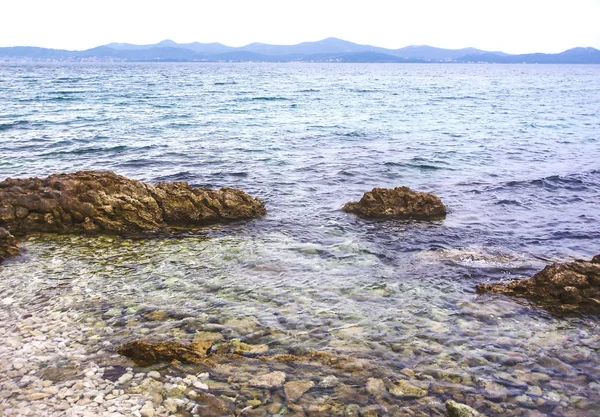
(329, 381)
(124, 379)
(154, 374)
(376, 386)
(270, 381)
(560, 286)
(8, 245)
(404, 389)
(145, 353)
(200, 385)
(147, 410)
(212, 406)
(296, 389)
(455, 409)
(400, 202)
(352, 410)
(525, 401)
(38, 396)
(241, 348)
(93, 202)
(156, 316)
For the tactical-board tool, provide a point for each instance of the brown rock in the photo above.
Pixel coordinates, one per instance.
(103, 202)
(8, 245)
(404, 389)
(296, 389)
(400, 203)
(213, 406)
(560, 286)
(455, 409)
(376, 387)
(270, 381)
(145, 353)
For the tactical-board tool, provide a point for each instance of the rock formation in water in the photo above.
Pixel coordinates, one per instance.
(145, 353)
(103, 202)
(399, 203)
(561, 286)
(8, 245)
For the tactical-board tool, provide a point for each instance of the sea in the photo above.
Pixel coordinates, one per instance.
(512, 150)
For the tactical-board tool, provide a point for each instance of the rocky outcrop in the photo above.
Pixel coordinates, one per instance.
(8, 245)
(103, 202)
(562, 286)
(399, 203)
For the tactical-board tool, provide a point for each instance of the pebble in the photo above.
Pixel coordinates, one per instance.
(200, 385)
(154, 374)
(124, 379)
(147, 410)
(38, 396)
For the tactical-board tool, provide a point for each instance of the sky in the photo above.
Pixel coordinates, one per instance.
(513, 26)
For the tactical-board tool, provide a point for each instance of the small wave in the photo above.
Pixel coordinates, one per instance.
(145, 162)
(225, 83)
(231, 174)
(582, 181)
(269, 99)
(180, 176)
(426, 167)
(507, 202)
(86, 151)
(13, 125)
(354, 134)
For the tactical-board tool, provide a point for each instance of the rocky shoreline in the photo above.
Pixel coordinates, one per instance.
(65, 364)
(93, 202)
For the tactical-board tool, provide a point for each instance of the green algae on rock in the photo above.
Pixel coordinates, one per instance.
(8, 245)
(94, 202)
(561, 286)
(455, 409)
(398, 203)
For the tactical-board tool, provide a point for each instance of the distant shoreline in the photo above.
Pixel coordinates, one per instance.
(330, 50)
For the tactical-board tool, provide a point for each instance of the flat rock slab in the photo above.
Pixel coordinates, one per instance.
(398, 203)
(296, 389)
(271, 380)
(103, 202)
(560, 287)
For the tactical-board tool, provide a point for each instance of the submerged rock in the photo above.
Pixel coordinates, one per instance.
(271, 380)
(145, 353)
(296, 389)
(399, 203)
(8, 245)
(455, 409)
(103, 202)
(404, 389)
(564, 286)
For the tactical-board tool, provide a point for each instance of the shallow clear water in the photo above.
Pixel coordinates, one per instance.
(513, 151)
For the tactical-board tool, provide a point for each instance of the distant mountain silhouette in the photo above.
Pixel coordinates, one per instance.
(571, 56)
(326, 50)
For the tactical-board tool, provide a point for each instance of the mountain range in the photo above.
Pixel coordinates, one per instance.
(326, 50)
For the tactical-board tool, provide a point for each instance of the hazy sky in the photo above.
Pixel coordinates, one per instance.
(514, 26)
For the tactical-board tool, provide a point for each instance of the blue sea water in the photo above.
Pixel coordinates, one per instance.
(513, 151)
